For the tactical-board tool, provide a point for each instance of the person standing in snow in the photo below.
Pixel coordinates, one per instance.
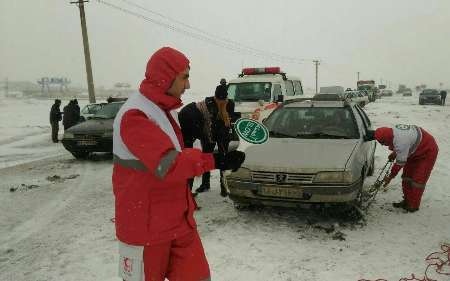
(212, 125)
(55, 117)
(414, 150)
(154, 207)
(443, 97)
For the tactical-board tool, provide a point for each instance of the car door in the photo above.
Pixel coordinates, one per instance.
(369, 146)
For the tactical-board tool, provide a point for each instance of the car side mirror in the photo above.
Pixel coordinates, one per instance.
(280, 98)
(369, 136)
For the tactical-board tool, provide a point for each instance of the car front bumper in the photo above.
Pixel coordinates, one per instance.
(430, 100)
(256, 193)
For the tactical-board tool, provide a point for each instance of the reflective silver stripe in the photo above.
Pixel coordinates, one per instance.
(129, 163)
(413, 183)
(165, 163)
(417, 141)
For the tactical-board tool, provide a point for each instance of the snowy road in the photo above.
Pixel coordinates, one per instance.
(62, 230)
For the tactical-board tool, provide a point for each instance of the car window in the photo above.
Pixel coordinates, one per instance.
(289, 88)
(250, 91)
(313, 123)
(298, 88)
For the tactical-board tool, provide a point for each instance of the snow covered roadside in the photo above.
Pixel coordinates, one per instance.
(61, 230)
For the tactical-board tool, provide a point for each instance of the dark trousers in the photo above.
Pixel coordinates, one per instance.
(55, 129)
(443, 101)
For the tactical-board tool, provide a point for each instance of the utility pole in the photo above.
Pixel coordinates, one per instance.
(358, 75)
(317, 63)
(87, 55)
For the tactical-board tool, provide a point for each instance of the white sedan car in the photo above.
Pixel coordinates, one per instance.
(316, 153)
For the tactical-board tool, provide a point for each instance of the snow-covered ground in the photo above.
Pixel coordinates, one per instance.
(60, 228)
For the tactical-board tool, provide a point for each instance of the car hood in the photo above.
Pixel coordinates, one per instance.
(298, 155)
(93, 126)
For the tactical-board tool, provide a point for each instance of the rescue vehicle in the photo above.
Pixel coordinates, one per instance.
(258, 91)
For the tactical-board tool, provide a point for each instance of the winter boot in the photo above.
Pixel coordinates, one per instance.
(401, 204)
(203, 188)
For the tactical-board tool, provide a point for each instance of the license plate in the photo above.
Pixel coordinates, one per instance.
(86, 142)
(281, 192)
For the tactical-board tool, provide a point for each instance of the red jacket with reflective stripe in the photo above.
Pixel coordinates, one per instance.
(149, 209)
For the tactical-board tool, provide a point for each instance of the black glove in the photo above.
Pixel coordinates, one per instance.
(230, 161)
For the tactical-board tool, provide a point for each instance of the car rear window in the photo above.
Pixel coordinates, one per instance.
(313, 123)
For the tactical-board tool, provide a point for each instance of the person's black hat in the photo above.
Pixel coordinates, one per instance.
(221, 92)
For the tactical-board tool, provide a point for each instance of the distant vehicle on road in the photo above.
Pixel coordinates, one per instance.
(386, 93)
(369, 86)
(94, 135)
(407, 92)
(428, 96)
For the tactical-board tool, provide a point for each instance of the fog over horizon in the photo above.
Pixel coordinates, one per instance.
(402, 41)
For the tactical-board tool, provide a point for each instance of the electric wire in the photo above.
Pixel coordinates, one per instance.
(236, 47)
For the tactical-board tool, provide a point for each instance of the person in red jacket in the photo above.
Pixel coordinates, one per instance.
(153, 204)
(414, 150)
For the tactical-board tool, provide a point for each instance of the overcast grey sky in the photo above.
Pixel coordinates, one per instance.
(403, 41)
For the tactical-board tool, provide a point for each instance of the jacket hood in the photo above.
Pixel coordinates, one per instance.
(162, 68)
(385, 136)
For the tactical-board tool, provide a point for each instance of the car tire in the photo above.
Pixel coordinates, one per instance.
(80, 154)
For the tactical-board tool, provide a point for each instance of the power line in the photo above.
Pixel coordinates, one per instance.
(206, 37)
(210, 34)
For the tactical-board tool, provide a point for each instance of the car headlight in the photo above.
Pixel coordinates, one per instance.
(241, 173)
(108, 134)
(345, 176)
(68, 135)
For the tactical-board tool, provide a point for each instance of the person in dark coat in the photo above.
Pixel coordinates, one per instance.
(67, 115)
(213, 117)
(55, 117)
(76, 112)
(443, 96)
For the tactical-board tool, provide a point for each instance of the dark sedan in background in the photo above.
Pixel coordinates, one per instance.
(93, 135)
(430, 96)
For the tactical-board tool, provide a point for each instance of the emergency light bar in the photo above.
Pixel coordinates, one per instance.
(261, 70)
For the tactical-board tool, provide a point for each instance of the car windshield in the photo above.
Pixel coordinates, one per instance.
(312, 123)
(91, 108)
(109, 111)
(430, 92)
(251, 91)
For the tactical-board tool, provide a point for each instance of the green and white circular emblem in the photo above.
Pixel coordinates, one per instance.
(251, 131)
(402, 127)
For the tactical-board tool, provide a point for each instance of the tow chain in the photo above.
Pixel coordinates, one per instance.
(368, 197)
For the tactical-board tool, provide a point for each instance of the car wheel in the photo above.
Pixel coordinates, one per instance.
(80, 154)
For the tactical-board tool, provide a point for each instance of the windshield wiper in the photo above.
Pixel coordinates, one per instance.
(322, 135)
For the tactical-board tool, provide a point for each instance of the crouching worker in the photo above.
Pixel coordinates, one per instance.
(414, 150)
(154, 207)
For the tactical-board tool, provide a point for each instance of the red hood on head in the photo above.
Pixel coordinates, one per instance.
(385, 136)
(162, 68)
